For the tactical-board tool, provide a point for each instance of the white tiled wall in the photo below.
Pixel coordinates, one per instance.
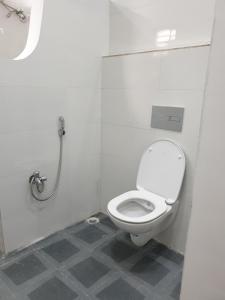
(62, 77)
(204, 272)
(137, 25)
(131, 85)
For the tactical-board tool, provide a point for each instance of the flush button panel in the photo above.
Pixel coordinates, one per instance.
(167, 118)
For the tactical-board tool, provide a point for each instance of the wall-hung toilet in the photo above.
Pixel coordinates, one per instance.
(151, 208)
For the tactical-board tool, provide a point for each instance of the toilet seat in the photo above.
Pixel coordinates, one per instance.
(147, 201)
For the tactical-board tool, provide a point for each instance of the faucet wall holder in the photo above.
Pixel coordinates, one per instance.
(38, 180)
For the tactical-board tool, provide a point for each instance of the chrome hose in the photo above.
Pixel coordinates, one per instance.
(53, 194)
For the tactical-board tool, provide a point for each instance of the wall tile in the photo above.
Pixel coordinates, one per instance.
(131, 72)
(184, 69)
(152, 24)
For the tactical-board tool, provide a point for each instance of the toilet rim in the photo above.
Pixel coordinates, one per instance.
(159, 203)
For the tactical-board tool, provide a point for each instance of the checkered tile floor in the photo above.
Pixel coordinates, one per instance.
(91, 262)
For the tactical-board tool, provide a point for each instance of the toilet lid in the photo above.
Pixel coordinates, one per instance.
(161, 169)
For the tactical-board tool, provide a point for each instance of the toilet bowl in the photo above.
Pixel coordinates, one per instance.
(151, 208)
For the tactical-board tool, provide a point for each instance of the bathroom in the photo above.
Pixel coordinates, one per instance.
(86, 88)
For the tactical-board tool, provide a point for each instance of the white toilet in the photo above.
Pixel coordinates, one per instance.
(151, 208)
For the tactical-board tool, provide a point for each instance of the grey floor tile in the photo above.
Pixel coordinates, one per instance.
(25, 269)
(119, 250)
(74, 227)
(16, 255)
(61, 250)
(120, 290)
(5, 293)
(107, 222)
(90, 234)
(176, 292)
(89, 271)
(161, 250)
(149, 270)
(53, 289)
